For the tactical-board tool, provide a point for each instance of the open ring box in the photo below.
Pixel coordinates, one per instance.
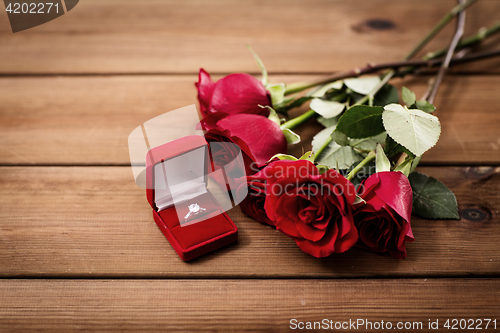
(177, 177)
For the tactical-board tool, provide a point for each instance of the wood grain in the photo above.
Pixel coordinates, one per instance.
(243, 305)
(87, 120)
(72, 219)
(75, 222)
(127, 36)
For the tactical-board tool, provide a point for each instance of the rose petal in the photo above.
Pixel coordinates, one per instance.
(285, 170)
(345, 186)
(396, 192)
(350, 235)
(370, 233)
(217, 134)
(283, 207)
(240, 93)
(309, 232)
(253, 203)
(205, 90)
(409, 234)
(367, 186)
(210, 120)
(262, 136)
(322, 248)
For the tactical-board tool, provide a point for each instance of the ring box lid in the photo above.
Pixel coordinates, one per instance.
(176, 172)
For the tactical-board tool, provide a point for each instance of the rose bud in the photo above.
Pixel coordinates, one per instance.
(258, 137)
(314, 209)
(384, 221)
(235, 93)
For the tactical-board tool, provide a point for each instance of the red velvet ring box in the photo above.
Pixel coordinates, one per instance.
(176, 177)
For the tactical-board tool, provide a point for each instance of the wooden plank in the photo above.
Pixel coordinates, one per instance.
(86, 120)
(118, 36)
(243, 305)
(95, 222)
(83, 120)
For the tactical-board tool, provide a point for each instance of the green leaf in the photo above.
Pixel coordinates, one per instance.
(425, 106)
(283, 157)
(362, 174)
(322, 168)
(414, 129)
(405, 167)
(340, 138)
(319, 92)
(273, 116)
(408, 96)
(432, 199)
(277, 92)
(361, 121)
(260, 64)
(293, 104)
(362, 85)
(415, 162)
(392, 148)
(386, 95)
(284, 103)
(327, 109)
(327, 122)
(309, 156)
(353, 97)
(381, 161)
(291, 137)
(334, 156)
(320, 138)
(358, 200)
(370, 143)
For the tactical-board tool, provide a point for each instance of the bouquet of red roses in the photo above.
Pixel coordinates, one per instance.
(357, 186)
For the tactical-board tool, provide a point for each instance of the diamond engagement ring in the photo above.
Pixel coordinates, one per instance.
(194, 209)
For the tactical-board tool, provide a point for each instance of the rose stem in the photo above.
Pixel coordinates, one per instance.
(437, 28)
(292, 123)
(294, 88)
(446, 63)
(357, 168)
(475, 56)
(440, 25)
(427, 61)
(433, 90)
(297, 121)
(480, 36)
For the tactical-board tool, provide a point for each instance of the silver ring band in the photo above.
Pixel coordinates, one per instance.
(194, 209)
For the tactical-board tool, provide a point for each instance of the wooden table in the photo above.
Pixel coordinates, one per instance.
(78, 246)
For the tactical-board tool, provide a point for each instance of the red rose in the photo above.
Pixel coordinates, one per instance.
(315, 210)
(227, 158)
(235, 93)
(225, 155)
(384, 221)
(258, 137)
(253, 203)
